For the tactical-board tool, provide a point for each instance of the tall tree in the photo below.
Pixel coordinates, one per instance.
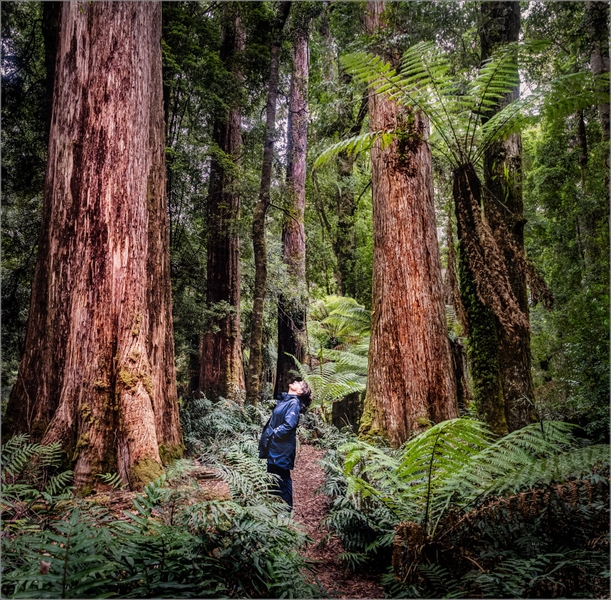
(292, 303)
(597, 21)
(97, 373)
(221, 369)
(344, 240)
(410, 381)
(253, 383)
(512, 392)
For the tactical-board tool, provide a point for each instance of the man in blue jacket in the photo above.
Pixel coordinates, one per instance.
(279, 437)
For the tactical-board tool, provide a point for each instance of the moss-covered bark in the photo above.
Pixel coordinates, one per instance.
(483, 350)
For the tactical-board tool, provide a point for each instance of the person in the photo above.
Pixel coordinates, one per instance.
(278, 440)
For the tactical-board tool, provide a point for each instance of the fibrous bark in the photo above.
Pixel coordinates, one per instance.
(292, 303)
(410, 381)
(221, 369)
(483, 338)
(98, 373)
(255, 363)
(502, 197)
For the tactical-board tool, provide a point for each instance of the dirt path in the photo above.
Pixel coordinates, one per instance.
(310, 510)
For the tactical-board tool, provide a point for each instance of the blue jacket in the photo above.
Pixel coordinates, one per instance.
(278, 439)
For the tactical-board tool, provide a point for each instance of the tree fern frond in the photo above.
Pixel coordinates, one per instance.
(353, 145)
(347, 361)
(555, 468)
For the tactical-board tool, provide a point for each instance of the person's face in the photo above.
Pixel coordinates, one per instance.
(295, 388)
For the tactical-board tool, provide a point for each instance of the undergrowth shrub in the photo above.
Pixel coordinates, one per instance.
(468, 515)
(170, 543)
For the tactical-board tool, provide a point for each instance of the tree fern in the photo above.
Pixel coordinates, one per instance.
(457, 463)
(330, 383)
(458, 105)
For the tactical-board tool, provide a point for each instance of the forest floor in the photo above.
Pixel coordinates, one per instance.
(309, 510)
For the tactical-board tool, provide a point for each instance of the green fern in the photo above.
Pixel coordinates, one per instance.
(457, 462)
(114, 480)
(458, 106)
(330, 382)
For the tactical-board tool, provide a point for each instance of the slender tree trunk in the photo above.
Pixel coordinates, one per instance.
(98, 372)
(410, 381)
(221, 369)
(502, 196)
(597, 21)
(292, 304)
(344, 243)
(255, 364)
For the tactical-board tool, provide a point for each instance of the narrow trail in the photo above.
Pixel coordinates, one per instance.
(309, 510)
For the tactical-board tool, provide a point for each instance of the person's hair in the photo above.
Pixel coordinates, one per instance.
(305, 398)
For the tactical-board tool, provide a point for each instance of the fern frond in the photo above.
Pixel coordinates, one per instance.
(50, 455)
(353, 145)
(16, 454)
(58, 484)
(114, 480)
(555, 468)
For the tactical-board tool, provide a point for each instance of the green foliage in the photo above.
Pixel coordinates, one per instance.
(114, 480)
(32, 483)
(338, 331)
(170, 544)
(457, 463)
(458, 104)
(530, 507)
(24, 153)
(568, 236)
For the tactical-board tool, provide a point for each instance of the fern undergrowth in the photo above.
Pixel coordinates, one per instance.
(460, 513)
(453, 513)
(173, 542)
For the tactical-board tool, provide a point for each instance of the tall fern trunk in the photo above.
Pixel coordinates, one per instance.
(255, 364)
(410, 379)
(293, 301)
(98, 372)
(221, 369)
(483, 346)
(502, 198)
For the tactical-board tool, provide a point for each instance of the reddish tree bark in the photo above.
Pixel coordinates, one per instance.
(410, 381)
(293, 301)
(98, 372)
(221, 369)
(255, 363)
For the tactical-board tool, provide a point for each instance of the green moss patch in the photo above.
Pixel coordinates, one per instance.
(145, 471)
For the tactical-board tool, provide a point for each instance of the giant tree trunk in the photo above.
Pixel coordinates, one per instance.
(255, 363)
(410, 381)
(502, 196)
(98, 373)
(221, 369)
(293, 301)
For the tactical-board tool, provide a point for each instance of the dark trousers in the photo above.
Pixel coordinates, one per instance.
(284, 487)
